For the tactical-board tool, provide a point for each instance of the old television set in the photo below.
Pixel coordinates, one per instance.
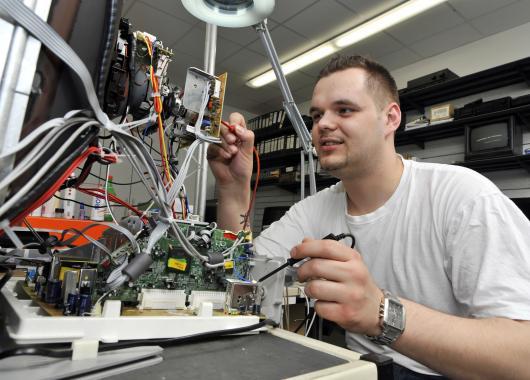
(493, 138)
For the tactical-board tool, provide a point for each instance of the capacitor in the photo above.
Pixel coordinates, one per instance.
(39, 285)
(53, 291)
(69, 284)
(85, 304)
(70, 307)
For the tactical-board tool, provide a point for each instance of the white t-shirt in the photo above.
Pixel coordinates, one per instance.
(447, 238)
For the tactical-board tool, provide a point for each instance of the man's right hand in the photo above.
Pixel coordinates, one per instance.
(231, 161)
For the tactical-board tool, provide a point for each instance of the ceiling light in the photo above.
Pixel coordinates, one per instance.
(294, 64)
(386, 20)
(367, 29)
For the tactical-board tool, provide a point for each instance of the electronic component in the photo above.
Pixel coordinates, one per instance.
(198, 297)
(69, 284)
(162, 299)
(241, 297)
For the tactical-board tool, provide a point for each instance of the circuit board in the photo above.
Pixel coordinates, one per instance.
(173, 268)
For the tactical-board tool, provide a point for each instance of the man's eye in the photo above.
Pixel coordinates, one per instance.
(316, 117)
(344, 111)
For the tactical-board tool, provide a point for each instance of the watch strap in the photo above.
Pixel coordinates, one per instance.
(392, 319)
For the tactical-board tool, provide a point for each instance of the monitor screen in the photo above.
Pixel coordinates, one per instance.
(490, 136)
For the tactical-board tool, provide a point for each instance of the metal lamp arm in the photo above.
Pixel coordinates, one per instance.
(288, 104)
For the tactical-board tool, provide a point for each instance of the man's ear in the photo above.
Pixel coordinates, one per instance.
(393, 118)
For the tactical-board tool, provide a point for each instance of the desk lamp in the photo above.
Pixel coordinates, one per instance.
(243, 13)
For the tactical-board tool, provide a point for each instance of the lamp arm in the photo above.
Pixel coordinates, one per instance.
(288, 102)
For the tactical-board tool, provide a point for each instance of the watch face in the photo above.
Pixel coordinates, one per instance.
(394, 315)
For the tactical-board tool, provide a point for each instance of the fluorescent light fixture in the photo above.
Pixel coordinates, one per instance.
(294, 64)
(392, 17)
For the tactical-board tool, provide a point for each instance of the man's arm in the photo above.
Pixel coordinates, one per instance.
(466, 348)
(231, 164)
(457, 347)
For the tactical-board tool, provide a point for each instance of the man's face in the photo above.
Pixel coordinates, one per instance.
(348, 126)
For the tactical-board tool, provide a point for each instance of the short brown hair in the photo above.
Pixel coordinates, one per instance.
(379, 81)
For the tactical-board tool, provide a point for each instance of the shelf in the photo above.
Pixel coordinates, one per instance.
(279, 129)
(271, 132)
(322, 182)
(280, 159)
(496, 77)
(294, 187)
(486, 165)
(452, 128)
(498, 163)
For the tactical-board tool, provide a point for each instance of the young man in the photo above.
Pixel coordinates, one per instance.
(442, 241)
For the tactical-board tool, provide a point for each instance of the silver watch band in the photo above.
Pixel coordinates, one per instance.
(392, 319)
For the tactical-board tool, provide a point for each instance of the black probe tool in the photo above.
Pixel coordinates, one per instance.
(291, 261)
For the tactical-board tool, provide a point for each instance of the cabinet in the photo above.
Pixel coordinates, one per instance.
(416, 100)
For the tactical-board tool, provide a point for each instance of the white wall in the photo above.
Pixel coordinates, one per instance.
(489, 52)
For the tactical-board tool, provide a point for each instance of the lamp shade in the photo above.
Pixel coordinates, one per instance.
(230, 13)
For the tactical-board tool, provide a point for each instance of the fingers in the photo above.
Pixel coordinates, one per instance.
(216, 152)
(326, 249)
(335, 312)
(238, 135)
(326, 291)
(329, 269)
(236, 118)
(246, 137)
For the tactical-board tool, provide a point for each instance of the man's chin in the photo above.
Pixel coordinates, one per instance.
(333, 169)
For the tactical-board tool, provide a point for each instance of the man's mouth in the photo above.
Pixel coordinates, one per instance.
(330, 142)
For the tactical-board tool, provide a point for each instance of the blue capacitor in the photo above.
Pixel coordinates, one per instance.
(85, 304)
(53, 291)
(70, 307)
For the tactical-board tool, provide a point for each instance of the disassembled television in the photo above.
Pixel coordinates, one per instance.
(158, 273)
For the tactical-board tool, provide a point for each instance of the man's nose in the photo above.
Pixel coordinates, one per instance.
(327, 121)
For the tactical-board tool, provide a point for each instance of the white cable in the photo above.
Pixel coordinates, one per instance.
(179, 181)
(44, 169)
(229, 251)
(107, 195)
(50, 124)
(116, 273)
(34, 155)
(308, 309)
(136, 123)
(311, 324)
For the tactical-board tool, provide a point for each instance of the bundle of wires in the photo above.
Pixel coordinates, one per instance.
(75, 125)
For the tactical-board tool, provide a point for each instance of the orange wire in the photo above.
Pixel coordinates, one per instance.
(158, 110)
(253, 197)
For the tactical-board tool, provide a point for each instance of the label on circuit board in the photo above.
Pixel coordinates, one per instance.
(178, 264)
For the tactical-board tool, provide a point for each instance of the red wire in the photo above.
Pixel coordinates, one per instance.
(232, 128)
(253, 197)
(100, 193)
(48, 194)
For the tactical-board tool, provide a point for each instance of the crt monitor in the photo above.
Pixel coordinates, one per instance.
(493, 138)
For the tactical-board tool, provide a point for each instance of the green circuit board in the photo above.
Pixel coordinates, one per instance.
(173, 268)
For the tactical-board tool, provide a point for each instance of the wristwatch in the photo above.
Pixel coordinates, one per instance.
(391, 318)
